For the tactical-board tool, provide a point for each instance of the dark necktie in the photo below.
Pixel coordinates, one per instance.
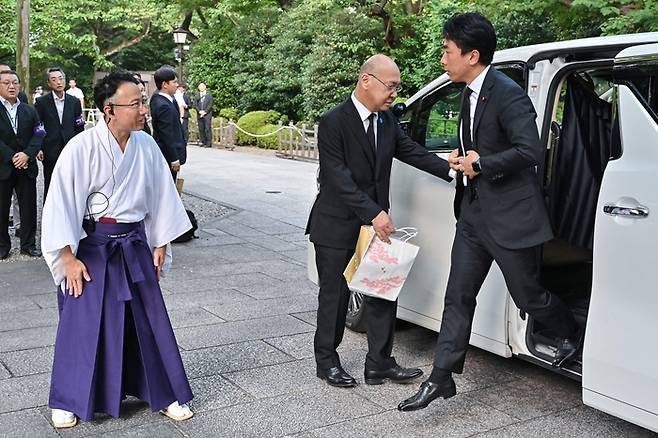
(371, 133)
(465, 112)
(467, 142)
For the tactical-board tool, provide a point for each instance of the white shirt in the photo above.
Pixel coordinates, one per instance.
(12, 112)
(476, 88)
(364, 114)
(59, 104)
(76, 92)
(128, 186)
(180, 100)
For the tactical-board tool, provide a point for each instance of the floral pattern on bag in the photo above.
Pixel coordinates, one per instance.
(384, 285)
(377, 253)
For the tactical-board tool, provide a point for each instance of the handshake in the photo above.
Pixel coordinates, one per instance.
(469, 165)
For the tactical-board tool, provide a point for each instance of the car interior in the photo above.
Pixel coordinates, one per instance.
(581, 141)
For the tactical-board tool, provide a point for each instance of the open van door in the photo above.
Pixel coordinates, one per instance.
(620, 355)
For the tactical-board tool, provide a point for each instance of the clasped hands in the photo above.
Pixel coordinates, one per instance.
(463, 164)
(20, 160)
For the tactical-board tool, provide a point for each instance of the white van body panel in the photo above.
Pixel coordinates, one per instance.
(620, 358)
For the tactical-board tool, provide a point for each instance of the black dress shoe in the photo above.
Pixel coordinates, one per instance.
(395, 374)
(567, 349)
(32, 252)
(337, 376)
(427, 393)
(4, 255)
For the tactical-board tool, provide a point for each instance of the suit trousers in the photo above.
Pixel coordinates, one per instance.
(26, 190)
(473, 252)
(186, 128)
(205, 130)
(48, 167)
(333, 301)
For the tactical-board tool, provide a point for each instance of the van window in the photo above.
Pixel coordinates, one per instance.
(436, 124)
(642, 78)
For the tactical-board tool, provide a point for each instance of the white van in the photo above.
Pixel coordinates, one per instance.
(597, 106)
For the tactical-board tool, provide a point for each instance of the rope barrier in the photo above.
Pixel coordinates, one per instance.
(302, 133)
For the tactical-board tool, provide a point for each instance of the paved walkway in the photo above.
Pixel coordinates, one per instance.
(244, 316)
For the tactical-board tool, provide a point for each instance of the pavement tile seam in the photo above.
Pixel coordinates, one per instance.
(520, 421)
(6, 368)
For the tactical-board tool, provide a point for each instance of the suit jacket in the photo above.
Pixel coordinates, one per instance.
(188, 102)
(58, 134)
(167, 129)
(27, 139)
(505, 135)
(204, 104)
(354, 184)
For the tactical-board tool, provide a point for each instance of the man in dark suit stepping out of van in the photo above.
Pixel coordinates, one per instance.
(499, 207)
(357, 141)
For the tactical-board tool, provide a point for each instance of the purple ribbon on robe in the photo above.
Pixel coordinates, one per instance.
(123, 246)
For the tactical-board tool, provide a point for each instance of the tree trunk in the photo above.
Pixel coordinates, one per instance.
(23, 44)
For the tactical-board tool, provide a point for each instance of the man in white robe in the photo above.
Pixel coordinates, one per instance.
(110, 213)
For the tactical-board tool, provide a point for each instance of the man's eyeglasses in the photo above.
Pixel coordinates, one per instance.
(397, 88)
(8, 83)
(134, 105)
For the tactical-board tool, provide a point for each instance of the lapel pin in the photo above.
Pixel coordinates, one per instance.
(484, 98)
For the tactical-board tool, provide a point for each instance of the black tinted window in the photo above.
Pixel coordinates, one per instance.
(435, 124)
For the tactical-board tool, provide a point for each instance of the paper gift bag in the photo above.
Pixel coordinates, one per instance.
(383, 268)
(366, 233)
(179, 185)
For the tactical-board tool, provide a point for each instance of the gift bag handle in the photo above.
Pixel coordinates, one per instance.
(408, 233)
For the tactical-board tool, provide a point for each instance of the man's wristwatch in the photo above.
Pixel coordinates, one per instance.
(476, 165)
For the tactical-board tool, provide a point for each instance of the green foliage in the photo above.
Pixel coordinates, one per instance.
(254, 121)
(210, 61)
(348, 39)
(271, 141)
(229, 113)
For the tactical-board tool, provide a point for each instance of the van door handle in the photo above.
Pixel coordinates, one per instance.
(630, 212)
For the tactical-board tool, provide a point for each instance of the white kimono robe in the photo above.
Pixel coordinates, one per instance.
(94, 178)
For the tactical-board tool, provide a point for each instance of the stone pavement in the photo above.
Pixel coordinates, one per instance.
(244, 316)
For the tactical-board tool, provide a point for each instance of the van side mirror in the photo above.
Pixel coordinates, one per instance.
(399, 109)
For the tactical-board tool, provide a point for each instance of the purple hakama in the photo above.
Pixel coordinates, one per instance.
(116, 338)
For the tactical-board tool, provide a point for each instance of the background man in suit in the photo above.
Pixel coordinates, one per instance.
(21, 93)
(165, 118)
(203, 105)
(357, 141)
(21, 135)
(61, 115)
(500, 210)
(76, 92)
(184, 104)
(14, 215)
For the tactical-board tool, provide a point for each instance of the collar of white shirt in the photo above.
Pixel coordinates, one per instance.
(476, 85)
(171, 98)
(59, 99)
(10, 106)
(364, 112)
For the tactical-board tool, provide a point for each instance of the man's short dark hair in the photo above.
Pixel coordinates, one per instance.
(10, 72)
(472, 31)
(107, 87)
(53, 70)
(162, 75)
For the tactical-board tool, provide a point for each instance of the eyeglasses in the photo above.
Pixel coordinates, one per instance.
(134, 105)
(397, 88)
(8, 83)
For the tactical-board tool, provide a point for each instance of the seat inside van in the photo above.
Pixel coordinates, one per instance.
(580, 144)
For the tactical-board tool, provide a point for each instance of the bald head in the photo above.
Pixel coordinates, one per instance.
(379, 79)
(377, 63)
